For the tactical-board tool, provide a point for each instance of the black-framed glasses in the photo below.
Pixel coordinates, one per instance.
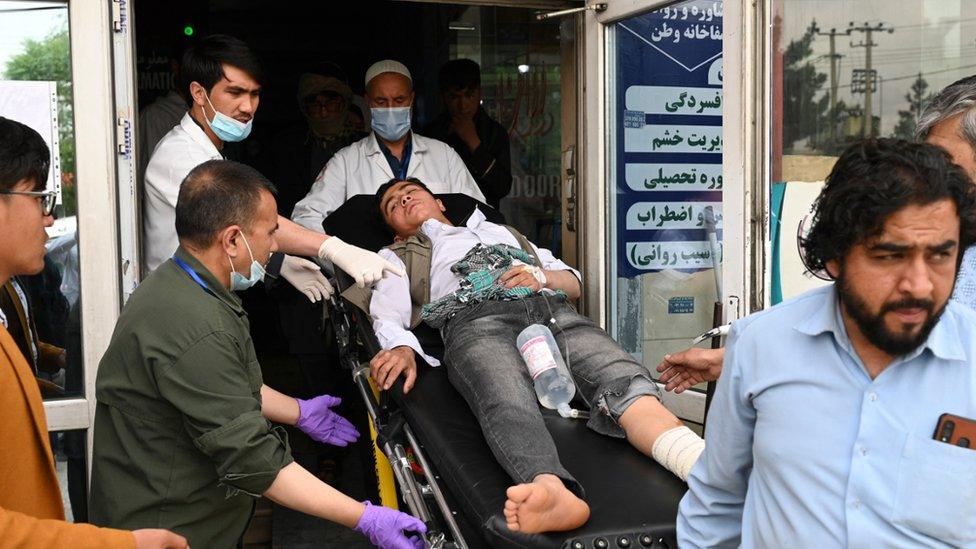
(48, 199)
(324, 101)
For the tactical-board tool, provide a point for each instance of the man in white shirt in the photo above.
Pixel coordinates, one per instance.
(155, 121)
(390, 151)
(223, 79)
(485, 365)
(160, 116)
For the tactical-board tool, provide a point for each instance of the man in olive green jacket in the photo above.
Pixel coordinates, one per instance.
(183, 437)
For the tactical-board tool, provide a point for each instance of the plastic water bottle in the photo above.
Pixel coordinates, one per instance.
(553, 384)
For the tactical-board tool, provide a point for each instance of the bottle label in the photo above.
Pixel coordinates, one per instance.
(537, 356)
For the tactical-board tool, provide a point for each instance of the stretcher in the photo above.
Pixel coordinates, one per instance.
(429, 444)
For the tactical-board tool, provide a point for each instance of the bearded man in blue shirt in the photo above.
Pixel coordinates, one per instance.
(821, 431)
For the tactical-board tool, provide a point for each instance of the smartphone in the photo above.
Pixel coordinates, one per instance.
(956, 430)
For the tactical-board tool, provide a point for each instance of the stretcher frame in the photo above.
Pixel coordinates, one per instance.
(392, 437)
(418, 486)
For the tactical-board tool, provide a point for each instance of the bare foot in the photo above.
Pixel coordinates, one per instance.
(544, 505)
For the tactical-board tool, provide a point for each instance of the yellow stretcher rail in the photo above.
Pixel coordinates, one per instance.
(384, 472)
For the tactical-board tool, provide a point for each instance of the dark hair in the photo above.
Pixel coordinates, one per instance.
(380, 192)
(872, 180)
(461, 74)
(202, 61)
(23, 155)
(216, 195)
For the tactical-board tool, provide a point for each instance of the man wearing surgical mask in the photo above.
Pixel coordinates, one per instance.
(223, 80)
(184, 436)
(299, 152)
(391, 150)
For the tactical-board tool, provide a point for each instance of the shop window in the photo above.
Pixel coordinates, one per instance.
(843, 70)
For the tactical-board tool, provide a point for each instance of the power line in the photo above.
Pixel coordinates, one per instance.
(870, 74)
(937, 24)
(917, 74)
(834, 58)
(888, 60)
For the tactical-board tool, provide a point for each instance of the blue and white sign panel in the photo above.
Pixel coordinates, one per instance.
(668, 136)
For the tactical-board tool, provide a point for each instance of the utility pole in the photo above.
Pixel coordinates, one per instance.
(867, 121)
(834, 57)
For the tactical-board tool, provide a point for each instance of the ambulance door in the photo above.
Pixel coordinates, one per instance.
(662, 192)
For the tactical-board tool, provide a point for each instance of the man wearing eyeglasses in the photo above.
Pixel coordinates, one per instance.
(31, 511)
(299, 152)
(46, 199)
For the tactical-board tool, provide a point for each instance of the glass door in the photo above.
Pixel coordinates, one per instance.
(655, 188)
(55, 76)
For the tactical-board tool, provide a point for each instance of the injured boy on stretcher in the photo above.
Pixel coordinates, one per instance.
(476, 283)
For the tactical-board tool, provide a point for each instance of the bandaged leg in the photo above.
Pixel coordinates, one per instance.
(678, 450)
(655, 431)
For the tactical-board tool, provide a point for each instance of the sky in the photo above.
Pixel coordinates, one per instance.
(20, 21)
(935, 37)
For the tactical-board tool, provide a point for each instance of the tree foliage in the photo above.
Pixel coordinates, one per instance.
(804, 114)
(49, 59)
(917, 97)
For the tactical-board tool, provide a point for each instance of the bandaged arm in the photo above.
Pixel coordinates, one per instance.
(390, 309)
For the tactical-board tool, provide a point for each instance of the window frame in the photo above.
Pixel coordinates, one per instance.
(89, 27)
(745, 198)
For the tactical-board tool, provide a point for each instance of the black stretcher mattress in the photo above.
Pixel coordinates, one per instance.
(633, 500)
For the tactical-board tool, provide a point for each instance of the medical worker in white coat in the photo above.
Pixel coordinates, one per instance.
(390, 151)
(223, 79)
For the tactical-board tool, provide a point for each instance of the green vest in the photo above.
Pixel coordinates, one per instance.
(415, 253)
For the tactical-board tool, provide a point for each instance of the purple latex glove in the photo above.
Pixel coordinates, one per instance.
(317, 420)
(387, 528)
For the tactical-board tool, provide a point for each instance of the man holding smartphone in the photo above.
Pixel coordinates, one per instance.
(821, 431)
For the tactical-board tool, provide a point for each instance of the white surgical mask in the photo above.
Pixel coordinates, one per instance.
(390, 124)
(237, 280)
(226, 128)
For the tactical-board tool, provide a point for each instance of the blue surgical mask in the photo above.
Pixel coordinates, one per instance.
(226, 128)
(390, 124)
(237, 280)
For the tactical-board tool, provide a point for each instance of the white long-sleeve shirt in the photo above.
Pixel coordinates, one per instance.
(361, 168)
(155, 121)
(185, 147)
(390, 306)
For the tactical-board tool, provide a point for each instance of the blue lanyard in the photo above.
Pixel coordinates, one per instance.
(193, 274)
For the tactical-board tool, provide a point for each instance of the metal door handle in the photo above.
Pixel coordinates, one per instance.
(569, 165)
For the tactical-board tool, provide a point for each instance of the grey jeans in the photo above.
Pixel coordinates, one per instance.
(485, 366)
